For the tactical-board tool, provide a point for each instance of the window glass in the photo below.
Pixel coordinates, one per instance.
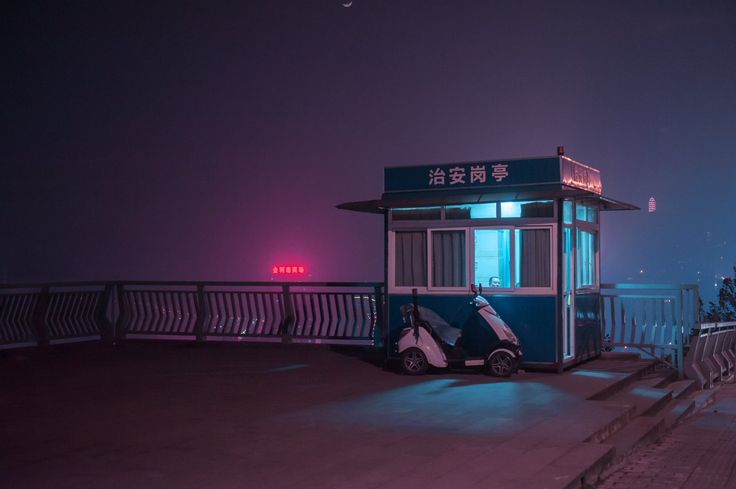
(457, 212)
(567, 211)
(493, 257)
(448, 259)
(540, 208)
(532, 258)
(585, 212)
(586, 274)
(483, 211)
(411, 258)
(416, 214)
(471, 211)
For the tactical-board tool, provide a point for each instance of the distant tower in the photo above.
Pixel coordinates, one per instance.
(652, 204)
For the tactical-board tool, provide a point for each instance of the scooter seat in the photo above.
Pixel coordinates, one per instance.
(442, 328)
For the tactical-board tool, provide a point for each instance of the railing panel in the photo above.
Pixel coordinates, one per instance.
(711, 357)
(235, 311)
(653, 318)
(16, 319)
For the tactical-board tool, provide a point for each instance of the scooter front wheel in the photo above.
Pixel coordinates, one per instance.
(414, 362)
(501, 364)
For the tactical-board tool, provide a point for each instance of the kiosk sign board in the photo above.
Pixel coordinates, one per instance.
(492, 174)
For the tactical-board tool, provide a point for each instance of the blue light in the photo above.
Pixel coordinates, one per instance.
(451, 406)
(594, 373)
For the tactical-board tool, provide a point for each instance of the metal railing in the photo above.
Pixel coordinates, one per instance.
(712, 356)
(656, 319)
(293, 312)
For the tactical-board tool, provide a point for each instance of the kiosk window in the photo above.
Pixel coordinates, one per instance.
(532, 257)
(411, 259)
(586, 276)
(584, 212)
(567, 212)
(540, 208)
(448, 259)
(493, 257)
(471, 211)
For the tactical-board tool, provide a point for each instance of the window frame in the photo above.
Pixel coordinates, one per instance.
(510, 229)
(594, 228)
(579, 288)
(404, 289)
(552, 289)
(432, 288)
(514, 289)
(469, 226)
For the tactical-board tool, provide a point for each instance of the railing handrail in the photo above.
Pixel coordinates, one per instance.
(192, 283)
(629, 286)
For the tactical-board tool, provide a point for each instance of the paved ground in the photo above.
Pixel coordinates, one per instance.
(166, 415)
(699, 454)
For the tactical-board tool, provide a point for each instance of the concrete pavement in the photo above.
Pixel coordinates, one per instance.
(166, 415)
(698, 454)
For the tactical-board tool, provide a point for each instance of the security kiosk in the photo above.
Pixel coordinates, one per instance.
(526, 230)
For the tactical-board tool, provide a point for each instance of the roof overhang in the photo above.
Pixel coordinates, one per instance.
(422, 199)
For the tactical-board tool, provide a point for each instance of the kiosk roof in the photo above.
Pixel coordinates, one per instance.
(489, 181)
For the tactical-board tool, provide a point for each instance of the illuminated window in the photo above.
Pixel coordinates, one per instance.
(448, 259)
(532, 258)
(567, 212)
(586, 274)
(585, 212)
(493, 257)
(540, 208)
(471, 211)
(410, 268)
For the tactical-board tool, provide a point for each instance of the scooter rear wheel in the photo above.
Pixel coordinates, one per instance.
(501, 364)
(414, 362)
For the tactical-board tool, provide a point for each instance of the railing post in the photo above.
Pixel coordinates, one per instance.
(199, 329)
(679, 335)
(120, 332)
(106, 327)
(39, 318)
(379, 333)
(288, 322)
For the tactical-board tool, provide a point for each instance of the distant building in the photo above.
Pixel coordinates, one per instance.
(652, 204)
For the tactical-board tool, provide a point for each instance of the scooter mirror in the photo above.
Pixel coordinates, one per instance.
(480, 289)
(472, 289)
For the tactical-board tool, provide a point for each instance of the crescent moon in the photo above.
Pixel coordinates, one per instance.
(346, 5)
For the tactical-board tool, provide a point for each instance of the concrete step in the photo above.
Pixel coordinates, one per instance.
(579, 467)
(648, 401)
(620, 355)
(703, 398)
(677, 411)
(666, 377)
(640, 431)
(682, 388)
(624, 414)
(630, 371)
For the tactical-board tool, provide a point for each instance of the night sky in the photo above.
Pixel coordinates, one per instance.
(209, 141)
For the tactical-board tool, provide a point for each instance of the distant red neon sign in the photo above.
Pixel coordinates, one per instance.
(288, 269)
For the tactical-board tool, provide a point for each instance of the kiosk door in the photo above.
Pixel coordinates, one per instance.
(568, 293)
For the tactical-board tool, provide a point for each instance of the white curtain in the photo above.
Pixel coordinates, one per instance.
(448, 259)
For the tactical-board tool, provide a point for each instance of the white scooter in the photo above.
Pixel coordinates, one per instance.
(428, 340)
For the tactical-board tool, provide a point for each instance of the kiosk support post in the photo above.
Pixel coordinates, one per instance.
(559, 333)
